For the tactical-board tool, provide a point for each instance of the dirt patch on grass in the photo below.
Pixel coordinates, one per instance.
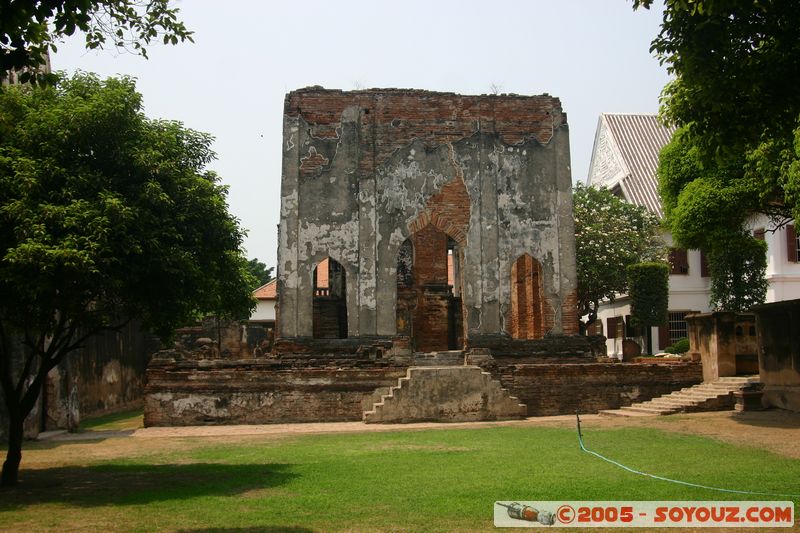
(775, 430)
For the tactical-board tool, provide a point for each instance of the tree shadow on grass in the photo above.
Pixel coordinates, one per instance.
(99, 485)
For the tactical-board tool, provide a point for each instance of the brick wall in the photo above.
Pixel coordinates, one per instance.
(230, 392)
(330, 318)
(363, 170)
(557, 389)
(430, 318)
(337, 389)
(526, 317)
(396, 118)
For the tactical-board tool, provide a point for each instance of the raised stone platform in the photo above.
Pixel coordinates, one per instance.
(445, 394)
(326, 388)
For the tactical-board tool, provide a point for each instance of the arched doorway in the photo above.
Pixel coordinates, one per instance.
(429, 304)
(526, 319)
(329, 300)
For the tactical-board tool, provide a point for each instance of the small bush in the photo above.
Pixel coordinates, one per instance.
(680, 346)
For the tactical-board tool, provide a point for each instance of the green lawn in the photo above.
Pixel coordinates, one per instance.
(124, 420)
(438, 480)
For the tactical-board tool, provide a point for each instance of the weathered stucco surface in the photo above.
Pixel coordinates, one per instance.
(779, 353)
(445, 394)
(364, 170)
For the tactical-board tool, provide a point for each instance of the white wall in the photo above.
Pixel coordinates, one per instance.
(783, 275)
(265, 310)
(689, 292)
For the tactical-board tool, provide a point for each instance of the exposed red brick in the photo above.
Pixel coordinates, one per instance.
(526, 316)
(397, 117)
(569, 314)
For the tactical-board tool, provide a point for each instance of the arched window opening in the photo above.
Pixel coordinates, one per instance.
(330, 300)
(429, 306)
(526, 320)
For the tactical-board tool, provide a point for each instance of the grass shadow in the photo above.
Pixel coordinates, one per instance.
(116, 484)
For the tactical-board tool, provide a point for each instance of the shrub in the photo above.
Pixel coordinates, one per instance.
(680, 346)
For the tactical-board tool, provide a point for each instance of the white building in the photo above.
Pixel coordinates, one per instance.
(265, 308)
(624, 160)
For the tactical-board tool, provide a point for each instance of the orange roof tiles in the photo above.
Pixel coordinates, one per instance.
(268, 291)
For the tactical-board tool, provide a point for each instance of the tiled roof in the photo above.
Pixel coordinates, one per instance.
(639, 139)
(267, 291)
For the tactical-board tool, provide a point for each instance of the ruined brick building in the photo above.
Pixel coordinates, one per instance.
(426, 271)
(443, 221)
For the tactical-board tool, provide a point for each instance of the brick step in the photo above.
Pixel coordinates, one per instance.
(661, 402)
(621, 413)
(715, 396)
(647, 410)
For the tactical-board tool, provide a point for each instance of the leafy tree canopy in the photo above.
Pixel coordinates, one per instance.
(105, 216)
(260, 272)
(735, 98)
(29, 29)
(610, 234)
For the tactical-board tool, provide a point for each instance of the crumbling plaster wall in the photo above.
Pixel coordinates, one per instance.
(362, 170)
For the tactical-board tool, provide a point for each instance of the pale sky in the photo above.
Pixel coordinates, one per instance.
(592, 54)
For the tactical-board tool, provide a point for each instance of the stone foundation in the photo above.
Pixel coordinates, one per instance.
(557, 389)
(258, 392)
(342, 388)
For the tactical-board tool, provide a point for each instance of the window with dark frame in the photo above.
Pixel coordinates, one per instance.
(613, 326)
(792, 244)
(704, 271)
(678, 261)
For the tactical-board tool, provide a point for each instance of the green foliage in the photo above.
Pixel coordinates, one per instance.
(737, 152)
(610, 234)
(648, 288)
(738, 267)
(734, 97)
(706, 204)
(681, 346)
(105, 216)
(260, 272)
(28, 30)
(703, 200)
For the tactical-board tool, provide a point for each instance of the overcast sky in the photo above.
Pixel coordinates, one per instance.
(593, 54)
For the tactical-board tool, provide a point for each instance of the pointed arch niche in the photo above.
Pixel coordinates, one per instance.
(526, 317)
(329, 300)
(429, 305)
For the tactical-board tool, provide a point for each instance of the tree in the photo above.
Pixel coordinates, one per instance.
(610, 234)
(704, 204)
(738, 269)
(29, 29)
(735, 99)
(260, 272)
(648, 288)
(105, 216)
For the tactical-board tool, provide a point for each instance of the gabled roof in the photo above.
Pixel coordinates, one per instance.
(268, 291)
(625, 153)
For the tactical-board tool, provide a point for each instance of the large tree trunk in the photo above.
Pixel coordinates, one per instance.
(14, 456)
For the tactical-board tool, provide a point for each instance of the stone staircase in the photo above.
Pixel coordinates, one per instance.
(716, 396)
(444, 394)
